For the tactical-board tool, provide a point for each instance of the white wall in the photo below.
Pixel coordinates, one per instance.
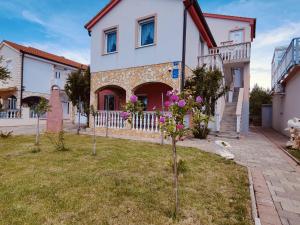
(14, 66)
(169, 35)
(286, 107)
(220, 29)
(37, 75)
(193, 44)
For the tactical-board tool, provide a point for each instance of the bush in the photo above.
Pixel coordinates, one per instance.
(58, 141)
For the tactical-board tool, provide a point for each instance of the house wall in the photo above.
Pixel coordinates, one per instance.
(220, 29)
(124, 15)
(286, 107)
(193, 44)
(14, 67)
(37, 75)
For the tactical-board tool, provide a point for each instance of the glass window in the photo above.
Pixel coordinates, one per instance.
(147, 32)
(236, 36)
(12, 102)
(111, 41)
(109, 102)
(144, 101)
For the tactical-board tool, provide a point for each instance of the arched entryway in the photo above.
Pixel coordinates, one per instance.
(152, 94)
(112, 98)
(31, 101)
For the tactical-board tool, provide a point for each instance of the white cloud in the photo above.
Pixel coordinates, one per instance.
(32, 17)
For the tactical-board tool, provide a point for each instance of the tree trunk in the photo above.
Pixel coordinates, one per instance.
(175, 176)
(94, 150)
(37, 138)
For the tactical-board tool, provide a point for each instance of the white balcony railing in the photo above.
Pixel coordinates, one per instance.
(10, 114)
(212, 62)
(233, 53)
(148, 121)
(290, 58)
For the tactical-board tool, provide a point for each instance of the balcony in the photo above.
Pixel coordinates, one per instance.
(290, 58)
(212, 62)
(233, 53)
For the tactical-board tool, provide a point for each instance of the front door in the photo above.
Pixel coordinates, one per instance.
(109, 102)
(238, 78)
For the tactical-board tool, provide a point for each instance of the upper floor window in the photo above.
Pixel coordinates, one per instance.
(237, 36)
(111, 36)
(57, 75)
(146, 31)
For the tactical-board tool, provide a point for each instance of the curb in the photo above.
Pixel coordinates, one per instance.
(253, 200)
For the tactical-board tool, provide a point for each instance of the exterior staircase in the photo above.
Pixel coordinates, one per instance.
(228, 123)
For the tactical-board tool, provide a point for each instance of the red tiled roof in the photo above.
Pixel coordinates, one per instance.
(251, 21)
(45, 55)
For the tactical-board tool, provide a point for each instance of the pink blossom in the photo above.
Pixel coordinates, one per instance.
(125, 115)
(199, 99)
(179, 126)
(167, 104)
(174, 98)
(133, 99)
(181, 103)
(169, 93)
(162, 119)
(154, 108)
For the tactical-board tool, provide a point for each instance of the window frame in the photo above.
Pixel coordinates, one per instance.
(138, 35)
(104, 42)
(242, 29)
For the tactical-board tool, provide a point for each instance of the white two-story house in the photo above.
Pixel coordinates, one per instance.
(147, 47)
(33, 72)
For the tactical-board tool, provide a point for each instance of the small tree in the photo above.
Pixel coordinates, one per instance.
(258, 96)
(78, 90)
(4, 73)
(209, 85)
(40, 109)
(94, 113)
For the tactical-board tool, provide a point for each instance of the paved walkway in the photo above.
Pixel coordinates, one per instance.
(260, 152)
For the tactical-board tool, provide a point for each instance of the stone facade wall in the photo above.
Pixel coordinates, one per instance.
(130, 78)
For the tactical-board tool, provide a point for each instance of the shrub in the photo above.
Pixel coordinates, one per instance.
(58, 141)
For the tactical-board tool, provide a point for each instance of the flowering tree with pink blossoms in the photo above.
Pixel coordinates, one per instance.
(132, 107)
(178, 105)
(171, 123)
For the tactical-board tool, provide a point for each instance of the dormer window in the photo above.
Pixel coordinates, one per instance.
(111, 37)
(146, 31)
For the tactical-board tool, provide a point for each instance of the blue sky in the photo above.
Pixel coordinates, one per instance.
(57, 26)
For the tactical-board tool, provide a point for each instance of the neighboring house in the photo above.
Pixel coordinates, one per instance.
(286, 85)
(137, 48)
(33, 72)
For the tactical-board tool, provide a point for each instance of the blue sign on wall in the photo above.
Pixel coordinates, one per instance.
(175, 73)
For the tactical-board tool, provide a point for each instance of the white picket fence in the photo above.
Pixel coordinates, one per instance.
(147, 121)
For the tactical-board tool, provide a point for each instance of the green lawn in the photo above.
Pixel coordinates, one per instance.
(127, 183)
(295, 153)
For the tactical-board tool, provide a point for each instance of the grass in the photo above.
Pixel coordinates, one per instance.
(295, 153)
(126, 183)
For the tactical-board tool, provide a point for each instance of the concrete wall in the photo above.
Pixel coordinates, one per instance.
(220, 29)
(287, 106)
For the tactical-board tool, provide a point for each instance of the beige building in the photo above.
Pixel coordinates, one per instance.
(137, 48)
(286, 85)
